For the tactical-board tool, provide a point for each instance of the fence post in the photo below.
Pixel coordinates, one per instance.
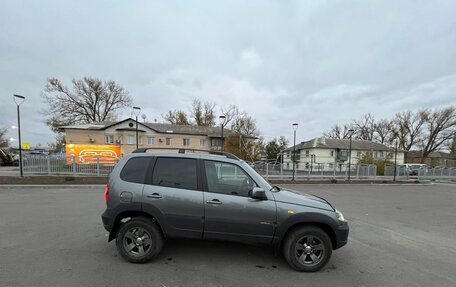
(281, 170)
(267, 170)
(73, 158)
(48, 164)
(98, 165)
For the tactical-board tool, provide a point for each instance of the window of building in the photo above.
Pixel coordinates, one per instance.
(130, 139)
(375, 154)
(175, 173)
(150, 140)
(358, 154)
(297, 165)
(331, 165)
(109, 139)
(168, 141)
(216, 144)
(332, 153)
(203, 142)
(227, 178)
(135, 169)
(381, 154)
(307, 153)
(185, 142)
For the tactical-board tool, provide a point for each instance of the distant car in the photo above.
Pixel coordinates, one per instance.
(154, 196)
(414, 169)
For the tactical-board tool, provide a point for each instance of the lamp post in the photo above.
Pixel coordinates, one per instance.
(223, 118)
(19, 100)
(350, 153)
(295, 127)
(395, 161)
(136, 111)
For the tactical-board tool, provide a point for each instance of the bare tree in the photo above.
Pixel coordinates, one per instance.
(440, 128)
(365, 127)
(3, 140)
(408, 128)
(176, 117)
(384, 131)
(283, 142)
(203, 113)
(244, 125)
(230, 113)
(338, 132)
(89, 100)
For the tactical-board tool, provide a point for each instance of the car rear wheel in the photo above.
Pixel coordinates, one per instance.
(139, 240)
(307, 248)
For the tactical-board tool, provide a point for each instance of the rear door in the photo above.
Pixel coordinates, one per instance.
(173, 192)
(230, 212)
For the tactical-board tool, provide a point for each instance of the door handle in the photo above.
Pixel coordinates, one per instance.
(154, 195)
(214, 201)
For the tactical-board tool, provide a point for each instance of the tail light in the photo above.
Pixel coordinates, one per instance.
(106, 195)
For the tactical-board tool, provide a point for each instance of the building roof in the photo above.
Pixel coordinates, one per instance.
(159, 128)
(327, 143)
(434, 154)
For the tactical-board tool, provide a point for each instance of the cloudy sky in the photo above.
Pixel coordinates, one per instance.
(316, 63)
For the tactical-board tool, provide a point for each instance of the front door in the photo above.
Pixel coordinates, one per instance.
(230, 212)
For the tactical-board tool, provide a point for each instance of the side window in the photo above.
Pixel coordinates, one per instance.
(227, 178)
(135, 169)
(175, 172)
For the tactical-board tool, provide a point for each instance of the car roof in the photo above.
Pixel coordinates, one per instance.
(195, 155)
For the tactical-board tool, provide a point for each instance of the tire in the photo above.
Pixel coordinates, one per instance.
(139, 240)
(307, 248)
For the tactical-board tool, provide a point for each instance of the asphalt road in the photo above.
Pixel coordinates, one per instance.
(400, 236)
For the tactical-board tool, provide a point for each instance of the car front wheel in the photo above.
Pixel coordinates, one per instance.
(139, 240)
(307, 248)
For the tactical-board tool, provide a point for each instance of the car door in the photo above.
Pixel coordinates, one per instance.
(230, 212)
(173, 194)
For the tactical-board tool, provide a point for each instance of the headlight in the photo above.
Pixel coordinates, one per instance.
(340, 216)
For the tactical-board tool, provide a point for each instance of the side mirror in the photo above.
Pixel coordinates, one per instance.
(259, 193)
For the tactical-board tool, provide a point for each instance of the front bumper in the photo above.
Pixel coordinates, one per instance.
(341, 235)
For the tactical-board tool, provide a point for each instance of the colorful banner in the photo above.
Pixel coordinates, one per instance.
(89, 154)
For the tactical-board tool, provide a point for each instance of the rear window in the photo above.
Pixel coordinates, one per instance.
(175, 172)
(135, 169)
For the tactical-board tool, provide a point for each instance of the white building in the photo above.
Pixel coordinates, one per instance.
(327, 154)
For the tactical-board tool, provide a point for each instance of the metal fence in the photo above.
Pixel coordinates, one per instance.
(67, 165)
(339, 171)
(422, 173)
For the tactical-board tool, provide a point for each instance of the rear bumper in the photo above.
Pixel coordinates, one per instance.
(107, 221)
(341, 235)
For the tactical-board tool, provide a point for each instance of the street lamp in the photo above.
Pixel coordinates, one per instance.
(19, 100)
(395, 162)
(295, 127)
(223, 118)
(136, 111)
(350, 153)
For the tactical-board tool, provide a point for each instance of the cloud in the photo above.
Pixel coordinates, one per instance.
(251, 58)
(316, 63)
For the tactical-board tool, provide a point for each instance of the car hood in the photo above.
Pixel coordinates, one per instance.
(293, 197)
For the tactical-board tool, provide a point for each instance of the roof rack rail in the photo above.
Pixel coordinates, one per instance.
(183, 150)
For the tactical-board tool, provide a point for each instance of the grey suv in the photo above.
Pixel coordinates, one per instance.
(154, 196)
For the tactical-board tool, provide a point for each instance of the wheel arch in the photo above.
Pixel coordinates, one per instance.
(128, 215)
(319, 220)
